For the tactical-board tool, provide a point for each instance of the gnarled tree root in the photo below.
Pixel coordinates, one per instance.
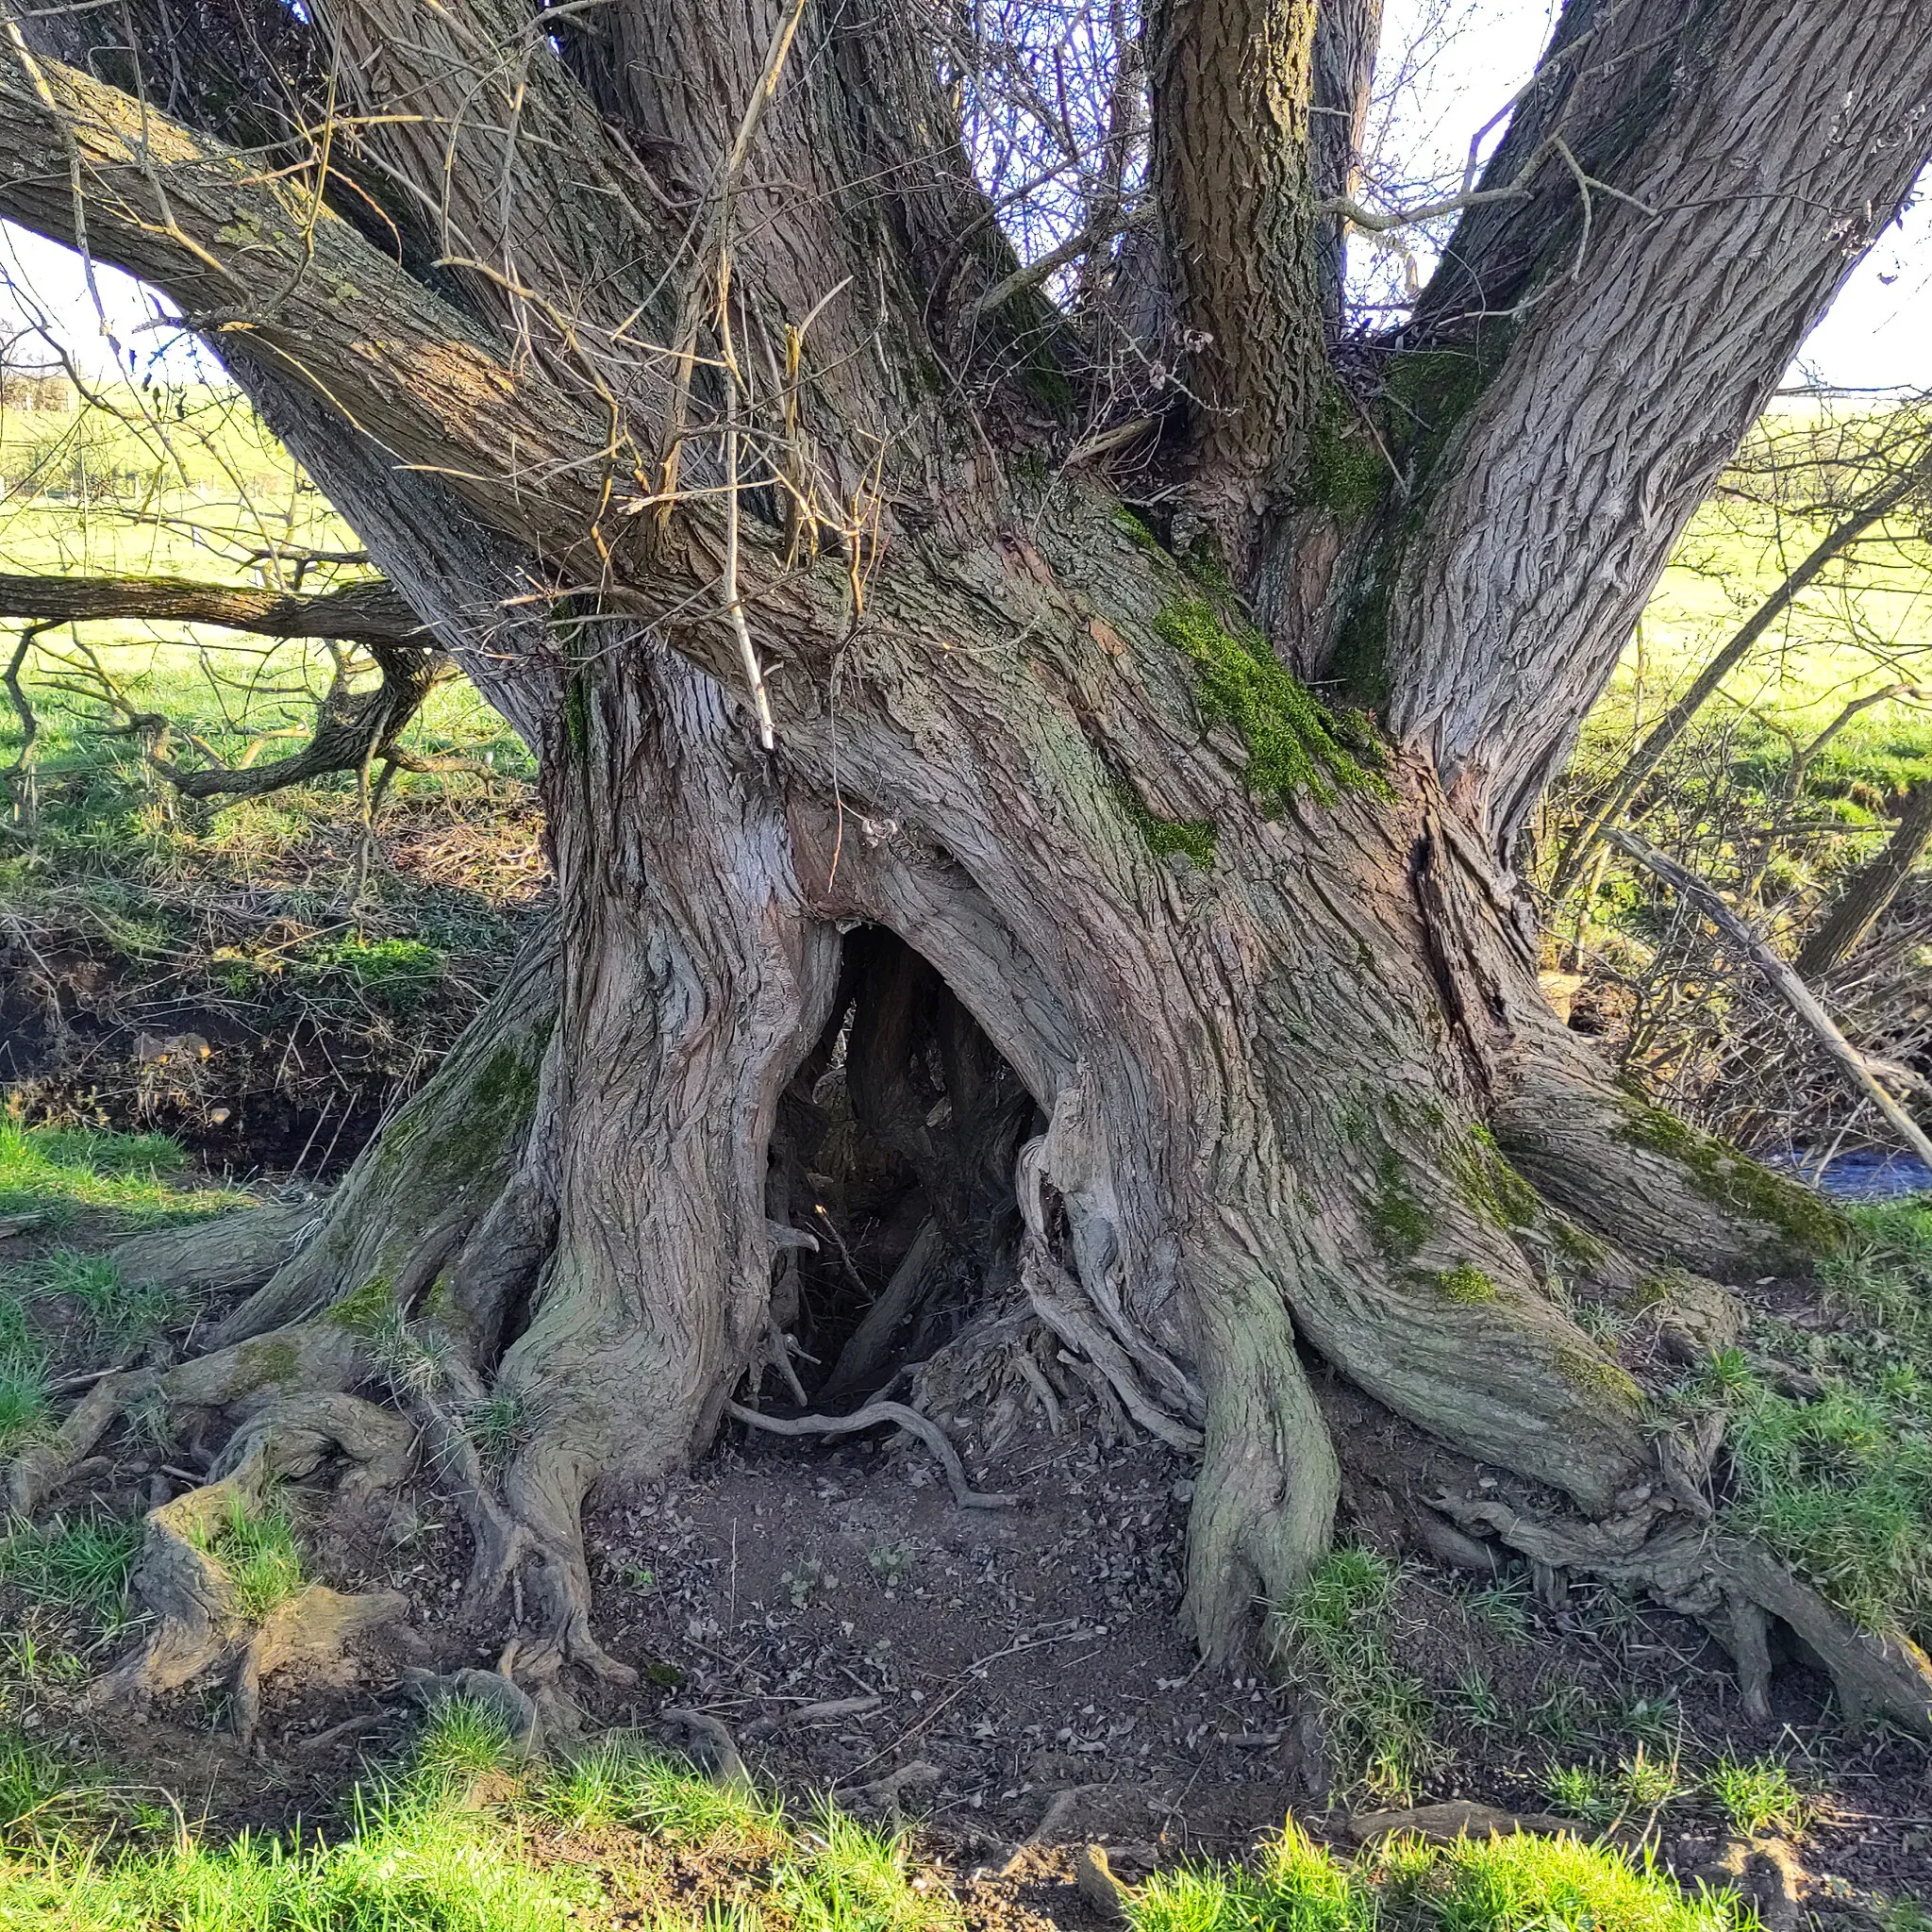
(875, 1415)
(1730, 1585)
(201, 1625)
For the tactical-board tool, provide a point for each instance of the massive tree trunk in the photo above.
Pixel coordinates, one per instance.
(1248, 969)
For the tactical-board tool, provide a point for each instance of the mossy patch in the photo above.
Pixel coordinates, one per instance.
(363, 1310)
(1466, 1283)
(1490, 1186)
(1584, 1369)
(1809, 1225)
(1344, 471)
(268, 1363)
(1294, 742)
(1192, 839)
(1397, 1220)
(1576, 1247)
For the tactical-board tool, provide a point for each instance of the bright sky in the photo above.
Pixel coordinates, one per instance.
(1878, 336)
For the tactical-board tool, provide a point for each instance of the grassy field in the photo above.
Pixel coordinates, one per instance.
(212, 969)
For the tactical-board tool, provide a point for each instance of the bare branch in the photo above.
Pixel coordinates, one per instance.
(366, 613)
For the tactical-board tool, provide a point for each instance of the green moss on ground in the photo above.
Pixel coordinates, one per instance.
(1294, 742)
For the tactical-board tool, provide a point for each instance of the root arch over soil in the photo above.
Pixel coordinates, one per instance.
(826, 1155)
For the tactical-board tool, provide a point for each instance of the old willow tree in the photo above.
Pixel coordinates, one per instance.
(989, 627)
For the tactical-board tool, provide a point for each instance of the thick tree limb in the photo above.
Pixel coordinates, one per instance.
(1569, 478)
(364, 613)
(1346, 35)
(1232, 83)
(1777, 974)
(244, 251)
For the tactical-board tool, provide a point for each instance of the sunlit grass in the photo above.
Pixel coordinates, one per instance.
(62, 1172)
(258, 1548)
(80, 1565)
(1840, 1482)
(1337, 1631)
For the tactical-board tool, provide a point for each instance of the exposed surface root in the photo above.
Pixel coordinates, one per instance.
(874, 1415)
(230, 1253)
(1093, 1325)
(311, 1357)
(201, 1621)
(1733, 1588)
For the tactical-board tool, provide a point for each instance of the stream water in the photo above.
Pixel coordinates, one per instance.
(1862, 1174)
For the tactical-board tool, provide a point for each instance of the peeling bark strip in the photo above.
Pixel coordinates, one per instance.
(1260, 970)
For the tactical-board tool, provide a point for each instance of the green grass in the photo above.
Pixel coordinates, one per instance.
(82, 1565)
(258, 1548)
(24, 1403)
(464, 1737)
(616, 1782)
(845, 1877)
(118, 1310)
(1631, 1792)
(1337, 1634)
(414, 1853)
(64, 1173)
(1840, 1482)
(1518, 1884)
(1755, 1795)
(499, 1423)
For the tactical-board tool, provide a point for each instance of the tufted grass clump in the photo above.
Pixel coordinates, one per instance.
(83, 1565)
(463, 1737)
(1338, 1632)
(1755, 1795)
(1634, 1790)
(258, 1548)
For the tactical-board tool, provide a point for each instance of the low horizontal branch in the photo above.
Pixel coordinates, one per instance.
(361, 614)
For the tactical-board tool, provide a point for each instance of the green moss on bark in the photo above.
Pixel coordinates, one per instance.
(1345, 472)
(362, 1310)
(1490, 1186)
(1192, 839)
(1294, 742)
(1466, 1283)
(1398, 1221)
(1584, 1369)
(1809, 1225)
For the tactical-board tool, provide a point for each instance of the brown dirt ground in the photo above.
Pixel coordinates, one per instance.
(1006, 1657)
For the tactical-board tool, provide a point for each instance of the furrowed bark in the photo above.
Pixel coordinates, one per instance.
(1262, 972)
(1565, 460)
(1232, 84)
